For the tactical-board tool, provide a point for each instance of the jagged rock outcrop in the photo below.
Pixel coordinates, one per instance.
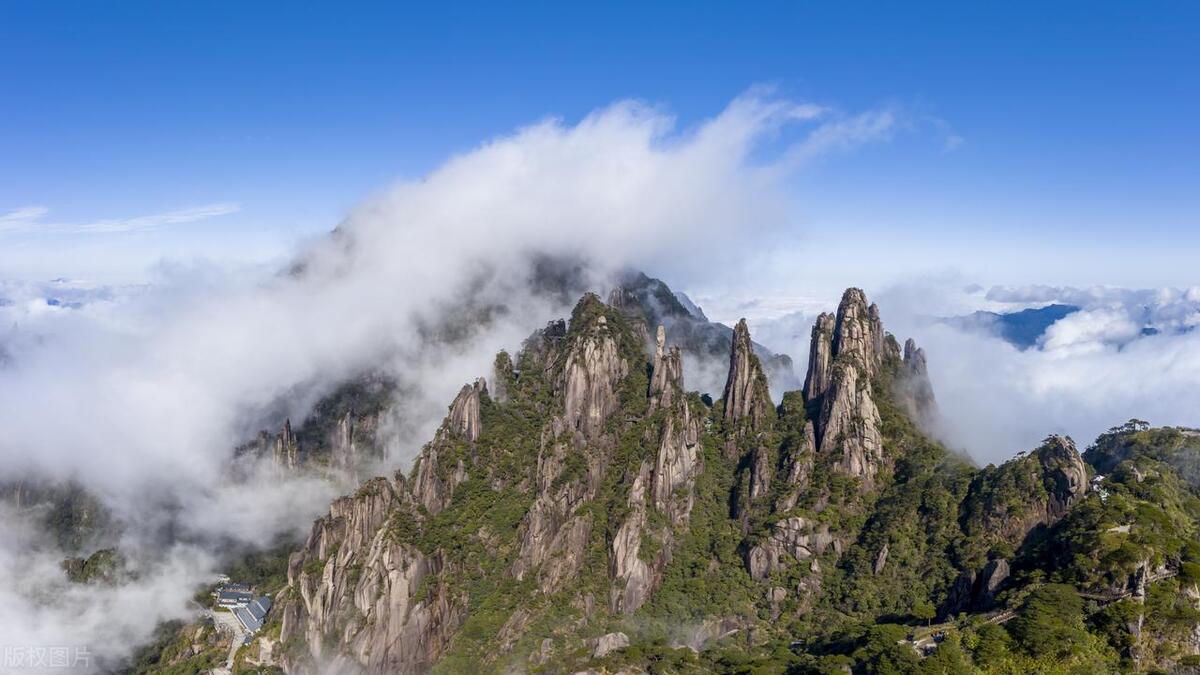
(593, 368)
(747, 398)
(1064, 467)
(875, 330)
(858, 332)
(848, 351)
(553, 536)
(975, 590)
(994, 574)
(434, 479)
(799, 468)
(666, 379)
(881, 560)
(651, 303)
(433, 486)
(1008, 504)
(286, 450)
(608, 643)
(355, 581)
(632, 577)
(820, 358)
(748, 414)
(914, 388)
(343, 450)
(338, 436)
(791, 540)
(849, 423)
(677, 461)
(530, 529)
(671, 482)
(464, 420)
(760, 473)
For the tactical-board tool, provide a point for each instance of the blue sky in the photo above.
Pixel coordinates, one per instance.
(1033, 133)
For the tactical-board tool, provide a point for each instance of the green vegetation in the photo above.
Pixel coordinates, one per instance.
(180, 649)
(266, 569)
(106, 566)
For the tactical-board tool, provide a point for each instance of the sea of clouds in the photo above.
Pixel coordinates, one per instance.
(140, 393)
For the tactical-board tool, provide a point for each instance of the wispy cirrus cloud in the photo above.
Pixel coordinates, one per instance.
(843, 134)
(32, 220)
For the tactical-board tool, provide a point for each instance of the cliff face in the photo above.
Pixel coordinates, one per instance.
(849, 350)
(597, 515)
(356, 586)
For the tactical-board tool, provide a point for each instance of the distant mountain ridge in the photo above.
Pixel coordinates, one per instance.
(1022, 329)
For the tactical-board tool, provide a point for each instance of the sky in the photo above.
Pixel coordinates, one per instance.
(161, 162)
(1034, 142)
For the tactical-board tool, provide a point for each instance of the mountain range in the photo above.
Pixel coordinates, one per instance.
(580, 509)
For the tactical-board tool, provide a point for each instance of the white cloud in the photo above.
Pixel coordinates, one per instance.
(846, 134)
(1092, 370)
(997, 400)
(1090, 330)
(31, 220)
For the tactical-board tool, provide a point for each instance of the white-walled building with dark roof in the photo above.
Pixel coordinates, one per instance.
(252, 615)
(229, 599)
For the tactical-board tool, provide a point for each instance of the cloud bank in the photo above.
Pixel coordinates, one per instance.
(1126, 353)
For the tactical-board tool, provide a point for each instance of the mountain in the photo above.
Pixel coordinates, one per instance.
(1022, 329)
(581, 511)
(340, 434)
(701, 340)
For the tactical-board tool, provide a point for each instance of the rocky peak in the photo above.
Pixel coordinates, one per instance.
(746, 394)
(667, 376)
(848, 351)
(628, 303)
(914, 388)
(914, 357)
(504, 376)
(858, 332)
(434, 477)
(1013, 504)
(875, 330)
(625, 300)
(820, 357)
(286, 449)
(593, 369)
(343, 450)
(677, 463)
(464, 420)
(1063, 466)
